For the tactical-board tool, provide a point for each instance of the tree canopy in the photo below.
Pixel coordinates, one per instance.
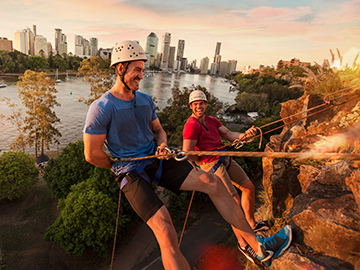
(37, 93)
(88, 198)
(69, 168)
(97, 72)
(17, 174)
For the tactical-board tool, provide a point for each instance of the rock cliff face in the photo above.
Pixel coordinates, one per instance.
(320, 199)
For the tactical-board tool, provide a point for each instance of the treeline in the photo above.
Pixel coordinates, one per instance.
(263, 93)
(17, 62)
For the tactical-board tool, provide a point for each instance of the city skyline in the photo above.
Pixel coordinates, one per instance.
(258, 33)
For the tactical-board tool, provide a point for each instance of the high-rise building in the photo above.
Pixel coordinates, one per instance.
(165, 50)
(50, 48)
(79, 45)
(180, 49)
(231, 67)
(86, 47)
(204, 65)
(171, 57)
(34, 30)
(30, 38)
(214, 68)
(183, 63)
(152, 48)
(217, 52)
(6, 45)
(24, 41)
(57, 39)
(41, 46)
(223, 68)
(20, 41)
(60, 42)
(93, 46)
(217, 60)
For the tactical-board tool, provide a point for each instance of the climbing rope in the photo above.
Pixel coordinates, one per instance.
(298, 155)
(116, 228)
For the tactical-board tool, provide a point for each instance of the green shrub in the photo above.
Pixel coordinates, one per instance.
(68, 169)
(18, 172)
(87, 220)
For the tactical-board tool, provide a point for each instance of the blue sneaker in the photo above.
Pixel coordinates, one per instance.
(274, 246)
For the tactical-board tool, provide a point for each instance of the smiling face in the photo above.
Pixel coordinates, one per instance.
(198, 108)
(134, 74)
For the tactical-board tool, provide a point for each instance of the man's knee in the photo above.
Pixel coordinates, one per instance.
(214, 184)
(162, 226)
(247, 187)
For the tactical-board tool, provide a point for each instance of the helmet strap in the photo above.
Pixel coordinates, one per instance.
(122, 76)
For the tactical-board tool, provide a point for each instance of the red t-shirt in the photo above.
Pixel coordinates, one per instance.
(208, 137)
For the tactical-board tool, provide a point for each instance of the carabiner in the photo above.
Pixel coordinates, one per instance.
(180, 156)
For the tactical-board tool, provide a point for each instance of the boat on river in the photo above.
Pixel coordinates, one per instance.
(2, 85)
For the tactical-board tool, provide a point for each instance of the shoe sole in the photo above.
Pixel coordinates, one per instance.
(247, 256)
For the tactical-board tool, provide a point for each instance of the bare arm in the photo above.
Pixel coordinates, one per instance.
(160, 137)
(232, 136)
(94, 152)
(189, 145)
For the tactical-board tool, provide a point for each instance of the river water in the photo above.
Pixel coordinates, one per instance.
(72, 113)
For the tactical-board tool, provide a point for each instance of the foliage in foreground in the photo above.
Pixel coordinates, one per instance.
(18, 173)
(87, 220)
(88, 203)
(68, 169)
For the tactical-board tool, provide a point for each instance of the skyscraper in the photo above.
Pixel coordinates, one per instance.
(60, 42)
(152, 48)
(217, 59)
(180, 49)
(204, 65)
(93, 46)
(217, 53)
(20, 41)
(57, 39)
(41, 46)
(171, 57)
(24, 41)
(165, 50)
(79, 45)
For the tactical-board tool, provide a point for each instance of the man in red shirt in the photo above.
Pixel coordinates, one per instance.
(203, 133)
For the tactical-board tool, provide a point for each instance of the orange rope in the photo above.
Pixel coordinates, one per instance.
(187, 215)
(116, 228)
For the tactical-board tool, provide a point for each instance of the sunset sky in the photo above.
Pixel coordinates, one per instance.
(251, 32)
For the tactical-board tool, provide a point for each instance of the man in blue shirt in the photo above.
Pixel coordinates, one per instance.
(125, 121)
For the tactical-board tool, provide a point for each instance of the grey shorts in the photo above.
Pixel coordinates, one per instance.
(234, 176)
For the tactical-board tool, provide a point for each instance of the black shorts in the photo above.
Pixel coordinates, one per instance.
(141, 194)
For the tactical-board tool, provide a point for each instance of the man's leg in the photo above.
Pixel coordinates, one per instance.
(265, 248)
(163, 228)
(223, 201)
(248, 201)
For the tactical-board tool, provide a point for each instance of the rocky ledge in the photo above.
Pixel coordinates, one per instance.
(320, 199)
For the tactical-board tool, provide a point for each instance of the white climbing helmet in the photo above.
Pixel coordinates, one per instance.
(197, 95)
(127, 50)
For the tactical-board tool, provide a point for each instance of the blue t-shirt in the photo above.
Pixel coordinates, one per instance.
(128, 128)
